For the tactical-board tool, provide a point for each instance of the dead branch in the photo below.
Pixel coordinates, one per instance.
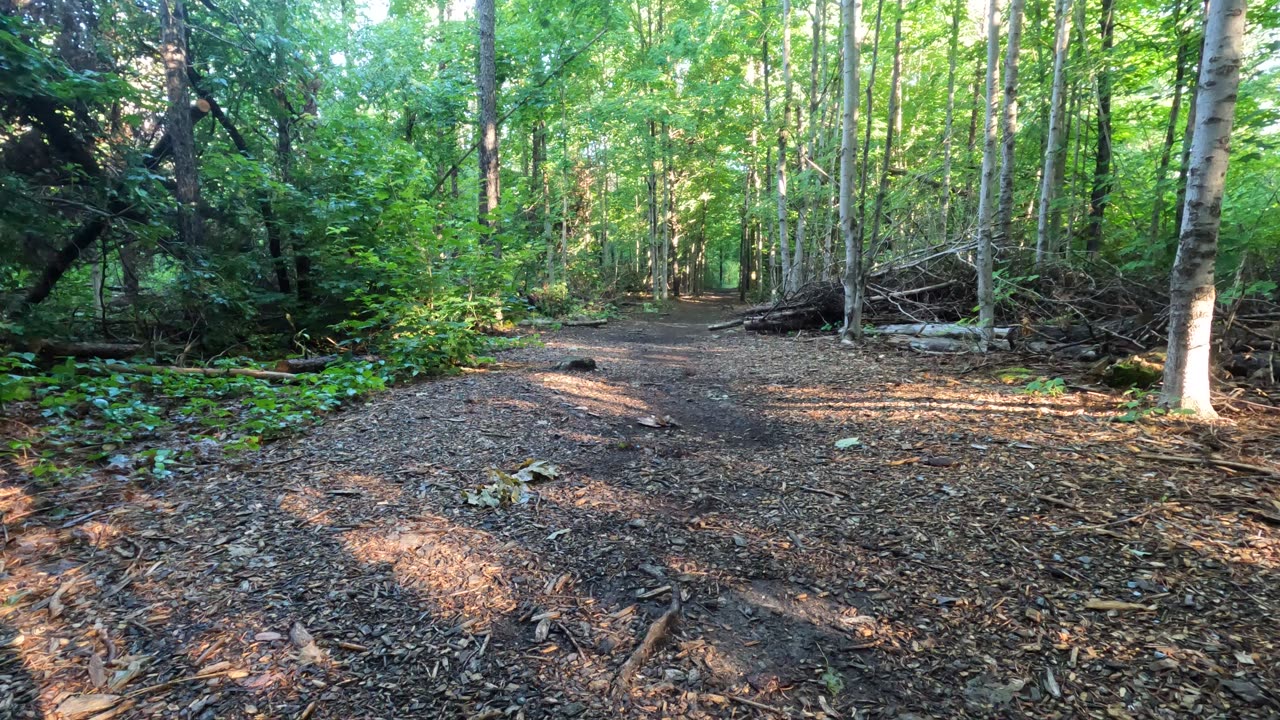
(659, 632)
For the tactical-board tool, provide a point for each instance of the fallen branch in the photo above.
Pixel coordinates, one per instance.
(316, 363)
(211, 372)
(726, 324)
(658, 634)
(1232, 464)
(104, 350)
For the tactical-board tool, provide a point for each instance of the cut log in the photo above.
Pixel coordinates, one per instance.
(211, 372)
(104, 350)
(783, 321)
(726, 324)
(317, 363)
(941, 330)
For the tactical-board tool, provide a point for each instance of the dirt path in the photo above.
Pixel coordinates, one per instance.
(948, 563)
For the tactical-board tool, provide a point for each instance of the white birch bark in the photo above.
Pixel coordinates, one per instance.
(1191, 288)
(1054, 150)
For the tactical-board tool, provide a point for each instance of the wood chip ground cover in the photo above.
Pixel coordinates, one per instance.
(977, 553)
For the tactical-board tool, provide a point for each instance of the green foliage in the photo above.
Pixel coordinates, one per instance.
(1048, 387)
(1138, 406)
(101, 412)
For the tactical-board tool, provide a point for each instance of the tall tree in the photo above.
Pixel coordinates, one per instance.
(1054, 152)
(1171, 127)
(1191, 285)
(895, 86)
(952, 53)
(487, 91)
(784, 241)
(173, 44)
(986, 188)
(1009, 124)
(852, 276)
(1102, 156)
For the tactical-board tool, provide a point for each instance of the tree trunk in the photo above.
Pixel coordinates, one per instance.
(852, 277)
(895, 86)
(487, 91)
(173, 42)
(866, 111)
(952, 53)
(1191, 288)
(1050, 183)
(986, 191)
(1170, 128)
(784, 235)
(1009, 121)
(1102, 159)
(1187, 134)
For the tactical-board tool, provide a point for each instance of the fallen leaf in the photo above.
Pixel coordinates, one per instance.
(78, 706)
(543, 629)
(558, 534)
(846, 443)
(310, 654)
(267, 636)
(1244, 658)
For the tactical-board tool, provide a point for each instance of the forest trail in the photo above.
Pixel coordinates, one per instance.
(955, 560)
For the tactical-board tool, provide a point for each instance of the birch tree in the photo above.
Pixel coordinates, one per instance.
(1009, 123)
(1191, 284)
(1054, 153)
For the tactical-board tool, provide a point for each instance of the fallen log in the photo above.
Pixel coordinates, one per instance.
(783, 321)
(316, 363)
(726, 324)
(943, 344)
(941, 330)
(104, 350)
(548, 322)
(211, 372)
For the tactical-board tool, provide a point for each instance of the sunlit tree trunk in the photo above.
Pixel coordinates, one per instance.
(866, 112)
(952, 53)
(1009, 123)
(986, 189)
(1102, 158)
(1191, 287)
(1051, 176)
(852, 276)
(784, 239)
(895, 84)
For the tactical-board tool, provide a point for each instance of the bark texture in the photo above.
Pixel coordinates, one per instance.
(1054, 153)
(852, 277)
(986, 189)
(487, 90)
(1191, 288)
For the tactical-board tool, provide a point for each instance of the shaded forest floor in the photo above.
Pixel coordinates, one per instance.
(976, 552)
